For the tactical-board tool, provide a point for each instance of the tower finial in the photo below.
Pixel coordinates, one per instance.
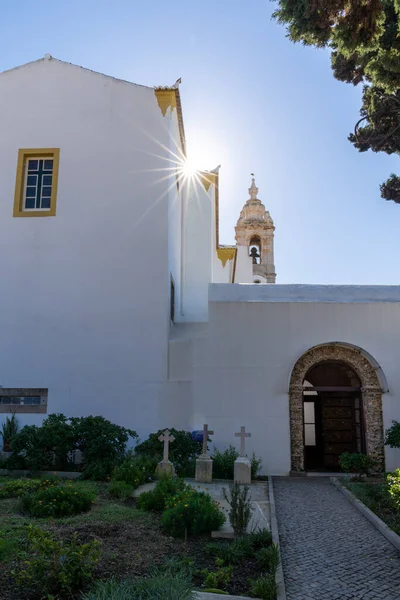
(253, 190)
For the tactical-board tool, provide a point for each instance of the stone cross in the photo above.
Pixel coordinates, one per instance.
(206, 433)
(243, 435)
(166, 438)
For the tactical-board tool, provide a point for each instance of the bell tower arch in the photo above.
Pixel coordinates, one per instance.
(254, 234)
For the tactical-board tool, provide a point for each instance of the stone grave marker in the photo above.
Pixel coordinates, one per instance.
(242, 469)
(204, 462)
(165, 466)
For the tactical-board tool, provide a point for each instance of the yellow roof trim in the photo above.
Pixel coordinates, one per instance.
(170, 98)
(225, 254)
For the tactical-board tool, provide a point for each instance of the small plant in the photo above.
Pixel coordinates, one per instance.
(240, 511)
(268, 558)
(354, 462)
(9, 429)
(393, 481)
(56, 568)
(260, 539)
(191, 513)
(155, 500)
(160, 584)
(232, 552)
(57, 501)
(120, 490)
(264, 587)
(220, 578)
(135, 471)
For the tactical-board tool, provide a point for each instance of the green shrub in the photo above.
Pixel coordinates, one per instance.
(50, 446)
(392, 435)
(224, 463)
(240, 508)
(120, 490)
(264, 587)
(56, 568)
(182, 452)
(15, 488)
(232, 552)
(393, 481)
(191, 513)
(57, 501)
(102, 443)
(156, 499)
(268, 558)
(135, 470)
(354, 462)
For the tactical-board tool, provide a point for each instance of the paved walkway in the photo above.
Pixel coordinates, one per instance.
(329, 550)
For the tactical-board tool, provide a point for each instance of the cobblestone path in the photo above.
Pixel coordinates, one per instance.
(329, 550)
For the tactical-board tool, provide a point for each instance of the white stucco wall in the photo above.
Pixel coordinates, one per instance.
(244, 266)
(84, 307)
(255, 335)
(198, 251)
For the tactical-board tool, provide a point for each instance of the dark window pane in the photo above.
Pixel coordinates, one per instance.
(45, 203)
(27, 400)
(46, 190)
(30, 192)
(33, 165)
(47, 179)
(31, 180)
(30, 203)
(48, 165)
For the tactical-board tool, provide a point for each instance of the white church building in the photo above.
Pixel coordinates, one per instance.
(119, 300)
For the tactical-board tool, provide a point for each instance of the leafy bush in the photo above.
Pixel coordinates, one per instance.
(392, 435)
(260, 539)
(220, 578)
(135, 470)
(353, 462)
(102, 443)
(120, 490)
(56, 567)
(268, 558)
(191, 513)
(224, 463)
(182, 452)
(57, 501)
(9, 429)
(264, 587)
(18, 487)
(156, 499)
(240, 508)
(393, 481)
(159, 585)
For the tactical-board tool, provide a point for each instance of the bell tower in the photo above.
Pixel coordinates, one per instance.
(255, 236)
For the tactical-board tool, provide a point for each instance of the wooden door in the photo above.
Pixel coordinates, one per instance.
(338, 427)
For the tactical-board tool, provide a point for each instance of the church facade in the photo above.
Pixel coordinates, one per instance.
(119, 299)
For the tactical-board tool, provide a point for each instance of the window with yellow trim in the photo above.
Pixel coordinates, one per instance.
(36, 182)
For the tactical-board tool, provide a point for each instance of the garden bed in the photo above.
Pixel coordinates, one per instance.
(131, 542)
(375, 495)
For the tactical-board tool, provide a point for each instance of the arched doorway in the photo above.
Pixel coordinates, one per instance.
(335, 400)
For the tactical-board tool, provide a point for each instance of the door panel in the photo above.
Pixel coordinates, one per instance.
(338, 426)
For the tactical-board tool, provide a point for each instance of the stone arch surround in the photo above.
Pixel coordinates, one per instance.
(373, 384)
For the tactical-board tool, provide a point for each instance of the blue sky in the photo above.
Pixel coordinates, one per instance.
(252, 102)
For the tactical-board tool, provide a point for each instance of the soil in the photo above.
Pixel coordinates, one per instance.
(130, 548)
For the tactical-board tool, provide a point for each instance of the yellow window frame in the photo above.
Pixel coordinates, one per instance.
(23, 155)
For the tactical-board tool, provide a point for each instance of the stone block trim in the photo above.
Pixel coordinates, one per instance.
(371, 390)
